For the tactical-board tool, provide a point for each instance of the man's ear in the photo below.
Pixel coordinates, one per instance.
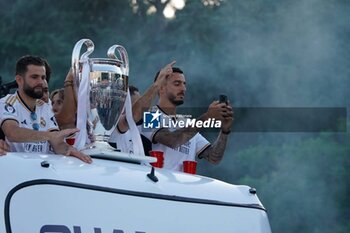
(161, 89)
(19, 80)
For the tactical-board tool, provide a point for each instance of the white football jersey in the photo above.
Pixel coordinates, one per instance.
(12, 107)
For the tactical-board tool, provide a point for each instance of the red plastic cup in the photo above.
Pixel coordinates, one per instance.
(160, 158)
(70, 141)
(190, 167)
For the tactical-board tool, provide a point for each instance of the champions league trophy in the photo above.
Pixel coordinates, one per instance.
(102, 92)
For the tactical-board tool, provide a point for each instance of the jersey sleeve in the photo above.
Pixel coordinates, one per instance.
(7, 110)
(201, 143)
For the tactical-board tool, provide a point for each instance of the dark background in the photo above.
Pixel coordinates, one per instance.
(261, 53)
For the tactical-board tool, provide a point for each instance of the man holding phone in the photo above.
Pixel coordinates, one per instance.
(182, 144)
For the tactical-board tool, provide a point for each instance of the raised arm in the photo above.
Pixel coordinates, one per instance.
(67, 116)
(145, 101)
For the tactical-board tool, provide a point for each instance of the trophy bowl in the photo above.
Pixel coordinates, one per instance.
(108, 89)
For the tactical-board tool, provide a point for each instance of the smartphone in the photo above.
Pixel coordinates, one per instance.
(223, 99)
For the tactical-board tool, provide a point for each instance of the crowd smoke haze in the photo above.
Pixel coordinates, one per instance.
(291, 55)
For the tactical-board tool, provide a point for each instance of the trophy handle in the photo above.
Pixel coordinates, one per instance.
(123, 55)
(76, 54)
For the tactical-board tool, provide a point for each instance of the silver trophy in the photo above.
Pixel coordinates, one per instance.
(102, 87)
(108, 85)
(101, 91)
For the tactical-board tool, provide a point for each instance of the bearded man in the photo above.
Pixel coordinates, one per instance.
(28, 124)
(185, 144)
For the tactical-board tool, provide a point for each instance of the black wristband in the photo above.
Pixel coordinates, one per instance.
(226, 132)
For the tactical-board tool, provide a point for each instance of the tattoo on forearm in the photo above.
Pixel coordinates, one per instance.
(175, 138)
(216, 151)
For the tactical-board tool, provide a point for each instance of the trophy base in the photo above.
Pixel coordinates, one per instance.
(103, 150)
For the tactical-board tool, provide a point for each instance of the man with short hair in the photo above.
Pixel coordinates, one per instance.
(46, 94)
(28, 124)
(181, 144)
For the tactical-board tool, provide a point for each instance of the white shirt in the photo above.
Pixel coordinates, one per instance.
(123, 140)
(13, 108)
(174, 157)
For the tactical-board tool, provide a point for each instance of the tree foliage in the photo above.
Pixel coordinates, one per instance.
(303, 183)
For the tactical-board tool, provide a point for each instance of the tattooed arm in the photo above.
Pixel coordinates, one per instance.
(175, 138)
(67, 116)
(215, 152)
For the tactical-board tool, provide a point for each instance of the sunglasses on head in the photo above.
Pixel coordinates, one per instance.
(34, 117)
